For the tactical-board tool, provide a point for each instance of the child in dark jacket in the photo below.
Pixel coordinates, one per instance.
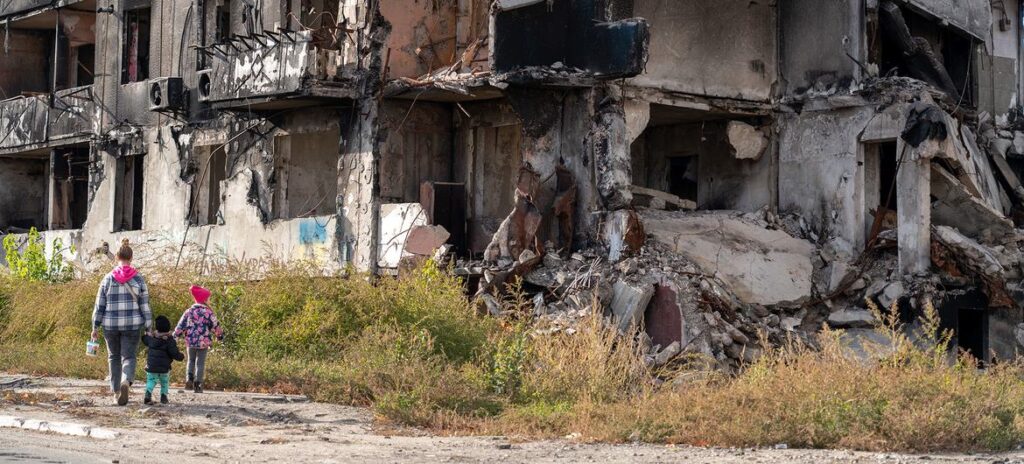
(162, 351)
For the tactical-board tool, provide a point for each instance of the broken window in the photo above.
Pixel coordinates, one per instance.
(913, 45)
(212, 170)
(135, 58)
(223, 22)
(69, 205)
(84, 64)
(306, 174)
(23, 198)
(128, 193)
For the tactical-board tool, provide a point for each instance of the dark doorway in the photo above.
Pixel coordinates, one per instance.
(445, 204)
(966, 314)
(887, 161)
(212, 163)
(70, 204)
(128, 197)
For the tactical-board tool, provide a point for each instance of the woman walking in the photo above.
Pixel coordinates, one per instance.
(122, 310)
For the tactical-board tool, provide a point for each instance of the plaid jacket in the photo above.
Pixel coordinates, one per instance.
(116, 308)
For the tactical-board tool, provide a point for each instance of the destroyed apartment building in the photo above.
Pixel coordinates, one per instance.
(713, 170)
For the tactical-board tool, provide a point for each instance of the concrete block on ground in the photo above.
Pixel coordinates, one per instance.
(629, 302)
(851, 318)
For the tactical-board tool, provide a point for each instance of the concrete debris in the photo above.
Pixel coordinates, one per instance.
(425, 240)
(628, 304)
(958, 255)
(623, 234)
(767, 267)
(748, 143)
(396, 224)
(954, 206)
(656, 199)
(851, 318)
(890, 294)
(517, 232)
(666, 354)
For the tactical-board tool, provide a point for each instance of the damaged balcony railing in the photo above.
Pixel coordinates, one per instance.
(38, 121)
(249, 69)
(12, 7)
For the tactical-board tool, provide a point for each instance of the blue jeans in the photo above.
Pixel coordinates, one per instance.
(122, 346)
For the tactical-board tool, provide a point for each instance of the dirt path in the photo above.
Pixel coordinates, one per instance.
(240, 427)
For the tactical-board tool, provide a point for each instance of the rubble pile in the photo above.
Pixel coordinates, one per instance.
(666, 286)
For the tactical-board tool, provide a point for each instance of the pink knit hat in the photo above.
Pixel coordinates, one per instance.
(200, 294)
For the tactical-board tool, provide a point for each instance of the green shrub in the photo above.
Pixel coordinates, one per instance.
(30, 262)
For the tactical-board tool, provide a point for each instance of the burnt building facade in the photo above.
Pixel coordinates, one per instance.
(359, 132)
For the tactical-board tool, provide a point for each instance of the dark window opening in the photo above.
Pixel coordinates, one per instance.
(70, 204)
(135, 57)
(223, 18)
(682, 177)
(306, 174)
(913, 45)
(85, 64)
(23, 198)
(212, 163)
(128, 196)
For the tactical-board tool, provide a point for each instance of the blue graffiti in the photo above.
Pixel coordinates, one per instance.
(312, 232)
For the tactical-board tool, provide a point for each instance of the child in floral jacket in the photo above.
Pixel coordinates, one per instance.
(198, 325)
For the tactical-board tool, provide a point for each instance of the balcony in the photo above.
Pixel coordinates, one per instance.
(22, 8)
(271, 71)
(37, 122)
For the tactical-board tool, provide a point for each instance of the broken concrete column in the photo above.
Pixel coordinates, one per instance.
(913, 215)
(610, 147)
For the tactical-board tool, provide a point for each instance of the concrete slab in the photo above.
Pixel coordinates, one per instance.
(954, 206)
(761, 266)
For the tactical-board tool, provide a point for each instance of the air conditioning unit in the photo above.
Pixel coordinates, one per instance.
(166, 93)
(205, 85)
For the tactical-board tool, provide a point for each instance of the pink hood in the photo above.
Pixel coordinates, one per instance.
(122, 274)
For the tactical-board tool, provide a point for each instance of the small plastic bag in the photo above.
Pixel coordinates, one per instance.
(91, 348)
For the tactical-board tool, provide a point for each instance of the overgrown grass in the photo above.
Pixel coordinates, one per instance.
(415, 351)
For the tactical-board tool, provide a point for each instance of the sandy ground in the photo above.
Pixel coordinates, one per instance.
(242, 427)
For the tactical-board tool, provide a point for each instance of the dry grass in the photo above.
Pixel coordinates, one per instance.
(414, 351)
